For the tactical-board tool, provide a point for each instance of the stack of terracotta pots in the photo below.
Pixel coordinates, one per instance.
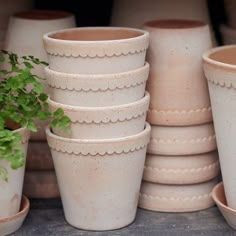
(24, 37)
(97, 76)
(182, 161)
(228, 31)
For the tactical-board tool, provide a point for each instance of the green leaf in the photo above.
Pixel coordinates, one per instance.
(28, 65)
(58, 113)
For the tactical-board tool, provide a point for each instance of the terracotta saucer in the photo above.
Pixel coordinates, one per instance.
(11, 224)
(218, 195)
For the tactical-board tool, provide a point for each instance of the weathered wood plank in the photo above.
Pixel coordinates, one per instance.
(49, 221)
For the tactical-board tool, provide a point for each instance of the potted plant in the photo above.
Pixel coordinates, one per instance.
(22, 102)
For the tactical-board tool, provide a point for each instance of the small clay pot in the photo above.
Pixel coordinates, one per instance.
(186, 140)
(39, 157)
(96, 50)
(11, 190)
(103, 122)
(220, 69)
(176, 198)
(41, 184)
(97, 90)
(99, 180)
(177, 86)
(181, 169)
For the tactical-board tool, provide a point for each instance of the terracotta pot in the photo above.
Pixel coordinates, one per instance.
(228, 34)
(230, 6)
(181, 169)
(178, 89)
(11, 191)
(8, 8)
(11, 224)
(186, 140)
(134, 13)
(218, 195)
(99, 180)
(97, 90)
(96, 50)
(176, 198)
(220, 70)
(103, 122)
(39, 157)
(35, 23)
(41, 184)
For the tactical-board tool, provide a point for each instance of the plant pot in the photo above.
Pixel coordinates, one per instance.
(11, 224)
(99, 180)
(11, 191)
(188, 140)
(176, 198)
(181, 169)
(228, 34)
(39, 157)
(97, 90)
(220, 70)
(103, 122)
(134, 13)
(35, 24)
(177, 86)
(41, 184)
(96, 50)
(230, 6)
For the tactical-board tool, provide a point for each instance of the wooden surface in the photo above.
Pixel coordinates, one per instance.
(46, 219)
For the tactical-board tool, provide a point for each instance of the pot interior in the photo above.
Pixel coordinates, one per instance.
(226, 55)
(94, 34)
(174, 24)
(42, 15)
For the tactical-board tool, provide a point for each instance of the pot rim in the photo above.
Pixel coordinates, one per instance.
(115, 108)
(93, 28)
(174, 24)
(217, 64)
(144, 132)
(25, 205)
(59, 14)
(97, 76)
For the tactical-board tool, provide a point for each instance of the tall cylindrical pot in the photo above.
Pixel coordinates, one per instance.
(220, 70)
(178, 89)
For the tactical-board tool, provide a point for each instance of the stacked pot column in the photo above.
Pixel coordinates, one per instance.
(97, 76)
(24, 37)
(182, 161)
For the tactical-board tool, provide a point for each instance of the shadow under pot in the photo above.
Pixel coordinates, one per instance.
(103, 122)
(99, 180)
(96, 50)
(220, 70)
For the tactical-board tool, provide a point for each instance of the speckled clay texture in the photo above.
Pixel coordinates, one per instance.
(97, 90)
(99, 180)
(176, 198)
(178, 88)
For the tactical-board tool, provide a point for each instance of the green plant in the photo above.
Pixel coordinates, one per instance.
(22, 101)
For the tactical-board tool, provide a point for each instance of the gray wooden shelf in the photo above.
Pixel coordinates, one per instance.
(46, 218)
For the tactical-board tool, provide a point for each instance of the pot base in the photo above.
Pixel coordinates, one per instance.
(13, 223)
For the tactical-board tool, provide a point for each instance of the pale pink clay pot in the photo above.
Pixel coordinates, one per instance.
(96, 50)
(177, 86)
(220, 70)
(181, 169)
(103, 122)
(99, 180)
(97, 90)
